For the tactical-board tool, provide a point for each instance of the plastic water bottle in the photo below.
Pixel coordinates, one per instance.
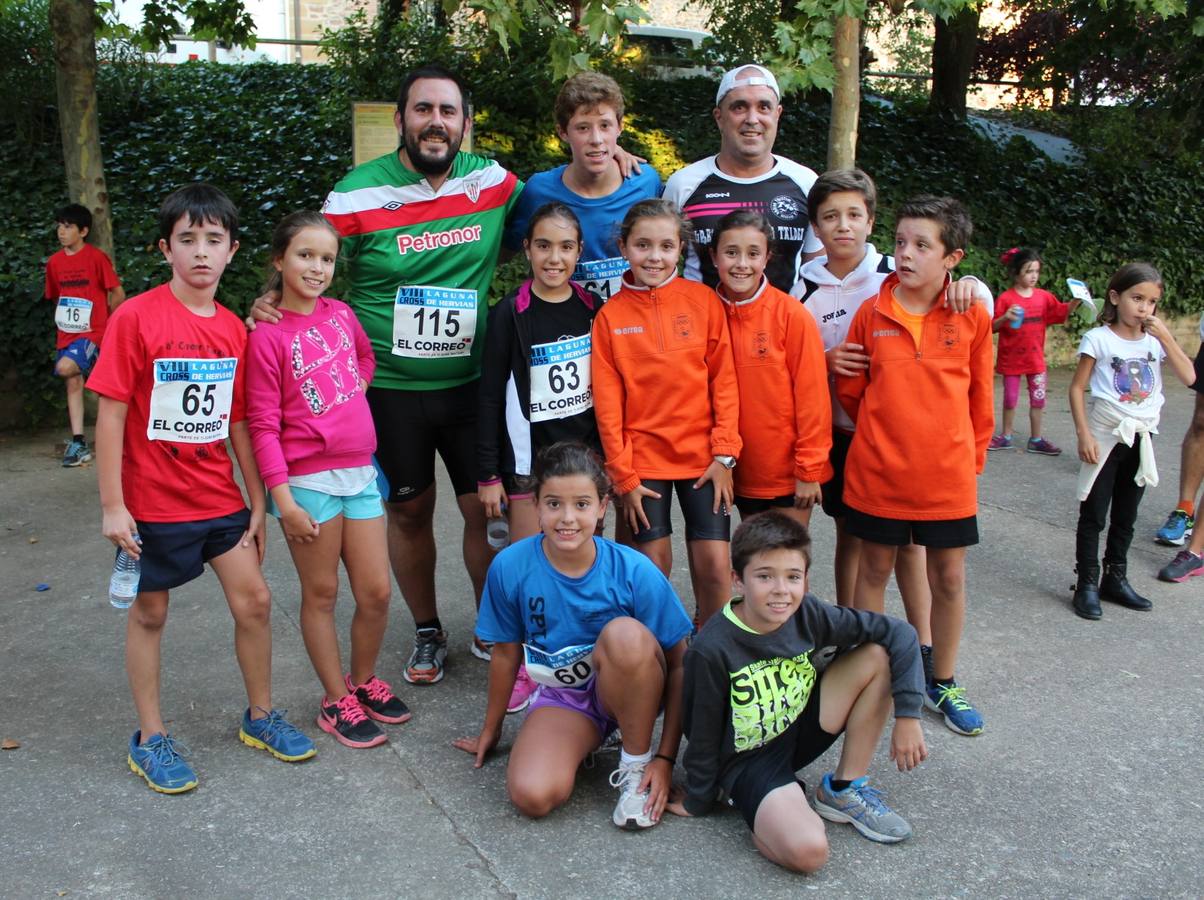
(1019, 320)
(497, 531)
(123, 586)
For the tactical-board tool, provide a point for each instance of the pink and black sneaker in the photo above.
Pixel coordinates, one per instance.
(524, 688)
(346, 721)
(378, 700)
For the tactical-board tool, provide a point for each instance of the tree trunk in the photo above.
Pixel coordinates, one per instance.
(953, 50)
(846, 94)
(73, 24)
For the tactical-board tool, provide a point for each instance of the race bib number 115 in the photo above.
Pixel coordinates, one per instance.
(191, 399)
(434, 322)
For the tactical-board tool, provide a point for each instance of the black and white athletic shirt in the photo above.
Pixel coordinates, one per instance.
(706, 195)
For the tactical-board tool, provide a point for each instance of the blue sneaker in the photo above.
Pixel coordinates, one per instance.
(950, 701)
(77, 454)
(1177, 530)
(161, 763)
(276, 735)
(861, 806)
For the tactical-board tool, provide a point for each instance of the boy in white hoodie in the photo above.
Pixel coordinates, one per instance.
(841, 207)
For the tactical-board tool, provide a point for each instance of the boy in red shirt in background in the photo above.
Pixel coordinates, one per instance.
(924, 418)
(81, 282)
(171, 391)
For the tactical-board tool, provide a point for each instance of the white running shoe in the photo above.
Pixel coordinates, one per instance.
(629, 811)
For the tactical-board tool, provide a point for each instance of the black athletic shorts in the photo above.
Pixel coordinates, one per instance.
(1198, 384)
(750, 506)
(768, 768)
(174, 553)
(412, 426)
(701, 523)
(939, 533)
(833, 490)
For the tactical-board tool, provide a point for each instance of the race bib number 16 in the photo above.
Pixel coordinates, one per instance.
(191, 399)
(434, 322)
(73, 315)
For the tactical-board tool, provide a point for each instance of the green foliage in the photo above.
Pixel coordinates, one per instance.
(27, 75)
(276, 138)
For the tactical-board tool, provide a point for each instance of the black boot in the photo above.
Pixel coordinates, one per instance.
(1115, 587)
(1086, 592)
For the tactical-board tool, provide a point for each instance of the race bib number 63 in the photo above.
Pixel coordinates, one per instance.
(191, 399)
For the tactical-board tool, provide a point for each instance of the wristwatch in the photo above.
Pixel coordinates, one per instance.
(728, 462)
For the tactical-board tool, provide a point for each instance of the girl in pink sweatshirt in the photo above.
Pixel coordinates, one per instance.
(313, 438)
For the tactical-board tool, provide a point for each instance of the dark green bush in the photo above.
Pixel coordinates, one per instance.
(276, 138)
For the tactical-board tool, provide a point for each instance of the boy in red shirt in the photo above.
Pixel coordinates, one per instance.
(924, 419)
(81, 282)
(171, 391)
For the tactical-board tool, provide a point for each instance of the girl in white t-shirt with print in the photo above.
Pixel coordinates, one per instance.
(1121, 363)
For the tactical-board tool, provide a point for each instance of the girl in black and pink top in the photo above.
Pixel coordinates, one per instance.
(535, 382)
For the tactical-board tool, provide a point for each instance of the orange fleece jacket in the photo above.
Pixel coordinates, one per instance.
(785, 411)
(923, 414)
(664, 384)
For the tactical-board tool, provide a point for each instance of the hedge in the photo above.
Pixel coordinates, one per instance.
(276, 137)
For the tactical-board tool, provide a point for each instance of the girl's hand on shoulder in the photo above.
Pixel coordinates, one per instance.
(907, 747)
(847, 359)
(480, 746)
(720, 476)
(633, 506)
(806, 494)
(298, 525)
(677, 804)
(264, 310)
(658, 779)
(492, 496)
(1089, 449)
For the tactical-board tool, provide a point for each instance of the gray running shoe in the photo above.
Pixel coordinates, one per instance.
(861, 806)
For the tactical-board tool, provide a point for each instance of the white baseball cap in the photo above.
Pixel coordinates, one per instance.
(742, 77)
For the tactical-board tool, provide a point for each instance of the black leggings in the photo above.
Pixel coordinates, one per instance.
(1114, 485)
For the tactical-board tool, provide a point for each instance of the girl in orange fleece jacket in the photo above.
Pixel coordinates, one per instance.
(785, 414)
(666, 400)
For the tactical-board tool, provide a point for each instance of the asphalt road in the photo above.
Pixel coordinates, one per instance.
(1087, 781)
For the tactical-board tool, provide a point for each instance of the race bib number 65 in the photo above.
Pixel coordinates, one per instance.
(571, 667)
(191, 399)
(434, 322)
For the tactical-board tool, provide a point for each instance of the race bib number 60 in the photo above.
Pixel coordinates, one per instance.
(571, 667)
(73, 315)
(434, 322)
(191, 399)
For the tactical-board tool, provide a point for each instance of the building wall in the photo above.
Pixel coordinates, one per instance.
(319, 15)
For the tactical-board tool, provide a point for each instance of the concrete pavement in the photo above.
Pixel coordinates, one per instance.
(1086, 782)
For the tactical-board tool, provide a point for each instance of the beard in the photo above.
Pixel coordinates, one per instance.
(430, 163)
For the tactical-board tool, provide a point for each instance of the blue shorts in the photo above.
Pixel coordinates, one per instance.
(80, 351)
(174, 553)
(323, 507)
(581, 700)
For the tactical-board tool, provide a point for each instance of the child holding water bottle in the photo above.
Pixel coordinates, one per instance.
(1021, 314)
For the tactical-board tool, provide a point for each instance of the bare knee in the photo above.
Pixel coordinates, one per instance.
(625, 642)
(806, 854)
(149, 616)
(66, 369)
(947, 582)
(252, 606)
(536, 798)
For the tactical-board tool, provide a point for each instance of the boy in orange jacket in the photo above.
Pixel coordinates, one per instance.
(923, 411)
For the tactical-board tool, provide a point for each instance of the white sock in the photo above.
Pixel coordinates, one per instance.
(634, 759)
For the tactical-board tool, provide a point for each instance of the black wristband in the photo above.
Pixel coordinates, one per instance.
(669, 759)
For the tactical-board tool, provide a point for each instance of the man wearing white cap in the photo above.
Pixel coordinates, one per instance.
(745, 174)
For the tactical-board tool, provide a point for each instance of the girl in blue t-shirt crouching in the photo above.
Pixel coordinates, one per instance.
(601, 631)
